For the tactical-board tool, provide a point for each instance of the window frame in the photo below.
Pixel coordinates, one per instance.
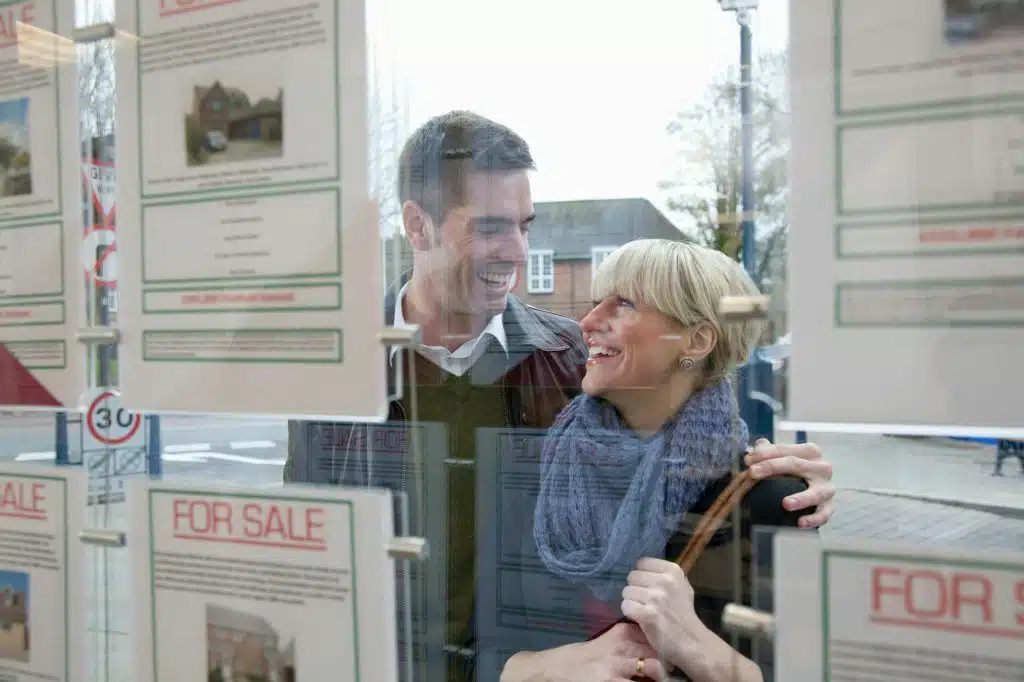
(538, 282)
(604, 251)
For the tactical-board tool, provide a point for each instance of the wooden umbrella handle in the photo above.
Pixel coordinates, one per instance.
(714, 517)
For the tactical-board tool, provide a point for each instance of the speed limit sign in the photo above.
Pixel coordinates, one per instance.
(109, 424)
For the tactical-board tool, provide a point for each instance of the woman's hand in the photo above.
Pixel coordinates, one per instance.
(612, 657)
(659, 598)
(801, 460)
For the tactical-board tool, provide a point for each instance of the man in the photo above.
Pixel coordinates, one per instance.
(491, 361)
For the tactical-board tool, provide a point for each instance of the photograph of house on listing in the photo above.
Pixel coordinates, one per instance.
(15, 154)
(14, 627)
(245, 647)
(226, 124)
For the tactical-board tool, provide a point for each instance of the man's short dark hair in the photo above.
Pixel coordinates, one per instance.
(439, 155)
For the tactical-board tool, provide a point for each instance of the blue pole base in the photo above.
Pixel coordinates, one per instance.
(60, 440)
(154, 449)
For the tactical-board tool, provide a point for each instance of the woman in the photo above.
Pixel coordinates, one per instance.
(656, 430)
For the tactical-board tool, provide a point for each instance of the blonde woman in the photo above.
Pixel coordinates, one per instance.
(626, 462)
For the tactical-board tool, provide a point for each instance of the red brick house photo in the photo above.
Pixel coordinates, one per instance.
(227, 124)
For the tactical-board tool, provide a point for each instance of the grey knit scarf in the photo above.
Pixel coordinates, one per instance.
(608, 497)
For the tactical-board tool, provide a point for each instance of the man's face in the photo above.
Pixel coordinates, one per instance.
(482, 244)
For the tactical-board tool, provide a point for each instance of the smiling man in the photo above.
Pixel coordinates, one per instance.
(492, 361)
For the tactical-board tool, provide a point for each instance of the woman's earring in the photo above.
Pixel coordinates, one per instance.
(686, 363)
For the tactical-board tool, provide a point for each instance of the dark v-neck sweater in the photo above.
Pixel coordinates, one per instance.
(464, 404)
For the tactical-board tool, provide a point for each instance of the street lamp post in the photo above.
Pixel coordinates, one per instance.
(756, 375)
(743, 10)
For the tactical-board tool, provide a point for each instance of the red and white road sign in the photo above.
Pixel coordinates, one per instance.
(100, 248)
(102, 182)
(108, 423)
(100, 255)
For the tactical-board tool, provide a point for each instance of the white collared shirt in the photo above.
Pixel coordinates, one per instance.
(459, 361)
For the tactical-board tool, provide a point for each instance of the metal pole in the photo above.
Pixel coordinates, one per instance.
(155, 465)
(747, 145)
(60, 441)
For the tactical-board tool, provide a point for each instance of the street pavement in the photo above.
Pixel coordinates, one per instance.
(926, 491)
(937, 469)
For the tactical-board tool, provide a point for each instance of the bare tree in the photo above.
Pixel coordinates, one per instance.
(705, 188)
(385, 146)
(96, 79)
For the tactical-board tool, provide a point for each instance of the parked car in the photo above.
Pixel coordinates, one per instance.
(967, 26)
(215, 141)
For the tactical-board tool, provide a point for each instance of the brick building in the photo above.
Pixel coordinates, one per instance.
(569, 239)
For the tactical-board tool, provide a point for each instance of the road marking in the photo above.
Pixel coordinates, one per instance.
(204, 457)
(35, 456)
(194, 457)
(196, 453)
(230, 424)
(192, 447)
(253, 445)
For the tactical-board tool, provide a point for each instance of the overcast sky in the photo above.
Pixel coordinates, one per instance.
(590, 85)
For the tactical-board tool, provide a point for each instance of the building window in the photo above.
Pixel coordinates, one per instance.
(540, 272)
(597, 256)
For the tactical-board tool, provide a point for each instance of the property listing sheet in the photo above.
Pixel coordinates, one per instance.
(236, 584)
(906, 274)
(871, 611)
(42, 585)
(251, 262)
(41, 275)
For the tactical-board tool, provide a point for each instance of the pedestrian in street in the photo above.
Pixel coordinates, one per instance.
(490, 359)
(1004, 450)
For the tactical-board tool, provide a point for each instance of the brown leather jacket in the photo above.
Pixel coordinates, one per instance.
(548, 359)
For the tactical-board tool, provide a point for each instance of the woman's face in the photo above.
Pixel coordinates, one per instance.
(630, 347)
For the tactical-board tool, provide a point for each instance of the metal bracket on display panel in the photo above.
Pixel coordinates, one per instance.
(93, 33)
(748, 622)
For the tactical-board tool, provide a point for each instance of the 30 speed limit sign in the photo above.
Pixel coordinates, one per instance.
(109, 424)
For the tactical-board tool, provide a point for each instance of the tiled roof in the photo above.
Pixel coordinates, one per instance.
(571, 228)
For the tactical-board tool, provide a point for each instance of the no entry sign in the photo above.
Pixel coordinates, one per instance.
(100, 252)
(110, 424)
(100, 255)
